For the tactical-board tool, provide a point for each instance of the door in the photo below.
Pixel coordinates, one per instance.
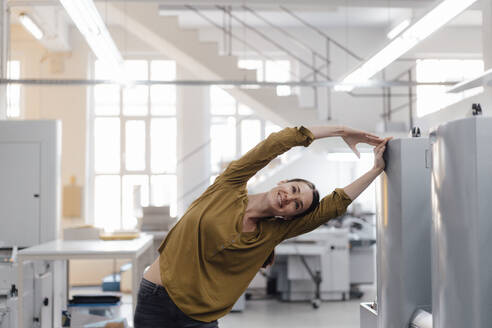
(19, 193)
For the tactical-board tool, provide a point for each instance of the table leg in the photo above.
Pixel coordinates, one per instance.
(135, 281)
(59, 291)
(20, 291)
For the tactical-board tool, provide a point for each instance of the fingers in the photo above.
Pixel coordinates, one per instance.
(374, 137)
(354, 149)
(382, 145)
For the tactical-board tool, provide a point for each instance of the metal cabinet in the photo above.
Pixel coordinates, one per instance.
(404, 233)
(462, 223)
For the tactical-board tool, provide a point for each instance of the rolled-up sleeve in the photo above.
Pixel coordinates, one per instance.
(241, 170)
(331, 206)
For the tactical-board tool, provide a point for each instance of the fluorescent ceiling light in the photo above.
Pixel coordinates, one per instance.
(425, 26)
(483, 79)
(398, 29)
(31, 26)
(85, 16)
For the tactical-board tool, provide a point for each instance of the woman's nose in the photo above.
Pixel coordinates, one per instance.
(289, 197)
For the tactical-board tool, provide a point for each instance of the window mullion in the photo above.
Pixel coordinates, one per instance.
(148, 169)
(238, 130)
(122, 154)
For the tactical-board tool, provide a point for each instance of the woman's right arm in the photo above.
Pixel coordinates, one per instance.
(241, 170)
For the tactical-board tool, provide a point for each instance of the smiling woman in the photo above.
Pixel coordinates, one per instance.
(210, 256)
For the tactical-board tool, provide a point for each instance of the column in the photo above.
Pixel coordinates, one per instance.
(193, 141)
(4, 37)
(487, 44)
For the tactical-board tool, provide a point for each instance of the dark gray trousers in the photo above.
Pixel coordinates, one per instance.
(156, 309)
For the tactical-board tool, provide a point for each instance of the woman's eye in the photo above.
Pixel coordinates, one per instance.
(297, 206)
(293, 189)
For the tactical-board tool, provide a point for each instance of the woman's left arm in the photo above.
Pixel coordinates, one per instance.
(354, 189)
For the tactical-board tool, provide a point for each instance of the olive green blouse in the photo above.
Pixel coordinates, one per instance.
(206, 262)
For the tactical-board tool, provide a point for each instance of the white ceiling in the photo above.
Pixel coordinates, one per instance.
(337, 17)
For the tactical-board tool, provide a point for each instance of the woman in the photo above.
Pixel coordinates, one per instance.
(210, 256)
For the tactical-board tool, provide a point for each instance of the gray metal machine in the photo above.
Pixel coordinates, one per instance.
(29, 215)
(462, 223)
(403, 235)
(320, 254)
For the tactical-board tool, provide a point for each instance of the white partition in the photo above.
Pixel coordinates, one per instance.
(30, 182)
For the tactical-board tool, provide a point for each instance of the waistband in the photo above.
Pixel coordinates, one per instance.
(149, 286)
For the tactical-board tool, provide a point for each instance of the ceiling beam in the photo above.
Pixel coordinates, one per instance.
(242, 83)
(263, 4)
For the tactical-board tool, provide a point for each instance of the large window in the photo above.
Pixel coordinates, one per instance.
(270, 71)
(134, 144)
(234, 129)
(431, 98)
(13, 90)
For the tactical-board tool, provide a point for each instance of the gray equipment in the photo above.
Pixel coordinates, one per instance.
(404, 233)
(313, 264)
(462, 223)
(29, 215)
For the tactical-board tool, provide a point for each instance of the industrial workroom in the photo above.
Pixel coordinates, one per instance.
(235, 164)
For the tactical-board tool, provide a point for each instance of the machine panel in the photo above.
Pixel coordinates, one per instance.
(403, 233)
(462, 225)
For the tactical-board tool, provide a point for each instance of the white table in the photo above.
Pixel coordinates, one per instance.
(60, 251)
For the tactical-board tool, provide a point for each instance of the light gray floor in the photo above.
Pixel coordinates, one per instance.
(273, 313)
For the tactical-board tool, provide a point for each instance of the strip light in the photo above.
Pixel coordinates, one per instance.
(425, 26)
(85, 16)
(398, 29)
(31, 26)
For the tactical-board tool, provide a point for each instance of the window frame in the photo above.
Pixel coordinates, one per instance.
(21, 90)
(422, 110)
(123, 171)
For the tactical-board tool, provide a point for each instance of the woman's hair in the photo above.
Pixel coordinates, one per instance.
(314, 204)
(315, 201)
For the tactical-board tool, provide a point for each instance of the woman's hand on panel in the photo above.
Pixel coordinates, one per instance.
(379, 163)
(352, 137)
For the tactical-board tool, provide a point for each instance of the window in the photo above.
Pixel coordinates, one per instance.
(431, 98)
(13, 90)
(278, 71)
(234, 129)
(270, 71)
(134, 144)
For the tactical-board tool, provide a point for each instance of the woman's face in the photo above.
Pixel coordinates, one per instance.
(289, 199)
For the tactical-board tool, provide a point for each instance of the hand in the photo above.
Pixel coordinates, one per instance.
(379, 163)
(353, 137)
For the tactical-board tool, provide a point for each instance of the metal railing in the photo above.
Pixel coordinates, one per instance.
(228, 32)
(271, 41)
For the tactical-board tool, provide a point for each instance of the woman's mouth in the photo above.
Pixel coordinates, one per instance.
(279, 199)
